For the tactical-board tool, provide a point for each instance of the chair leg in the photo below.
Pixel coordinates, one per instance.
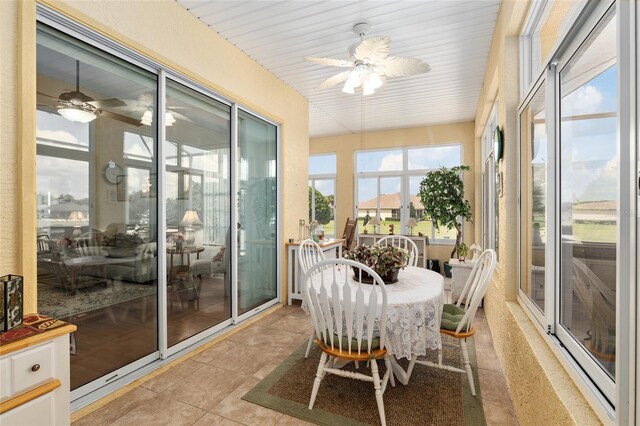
(387, 363)
(306, 354)
(467, 365)
(378, 390)
(318, 379)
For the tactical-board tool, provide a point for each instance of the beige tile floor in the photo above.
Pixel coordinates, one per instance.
(206, 388)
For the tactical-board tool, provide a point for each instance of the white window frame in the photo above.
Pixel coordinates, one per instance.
(489, 169)
(539, 10)
(405, 175)
(325, 176)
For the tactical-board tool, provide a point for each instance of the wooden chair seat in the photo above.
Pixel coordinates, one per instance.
(461, 335)
(353, 356)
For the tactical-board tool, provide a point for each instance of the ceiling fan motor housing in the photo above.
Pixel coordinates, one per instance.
(361, 29)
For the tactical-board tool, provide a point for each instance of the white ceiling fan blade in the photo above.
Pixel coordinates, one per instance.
(335, 80)
(331, 62)
(398, 67)
(373, 50)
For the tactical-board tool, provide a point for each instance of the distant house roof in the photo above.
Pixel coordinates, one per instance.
(390, 201)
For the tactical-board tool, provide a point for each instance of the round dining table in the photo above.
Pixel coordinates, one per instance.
(414, 309)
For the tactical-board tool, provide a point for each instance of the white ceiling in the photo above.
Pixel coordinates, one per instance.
(453, 37)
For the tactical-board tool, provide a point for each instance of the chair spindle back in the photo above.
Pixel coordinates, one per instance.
(342, 307)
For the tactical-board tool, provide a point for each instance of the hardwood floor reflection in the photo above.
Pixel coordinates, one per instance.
(113, 336)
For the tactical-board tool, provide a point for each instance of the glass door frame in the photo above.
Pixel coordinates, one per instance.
(236, 317)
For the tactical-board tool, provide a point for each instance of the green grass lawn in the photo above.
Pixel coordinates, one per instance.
(593, 232)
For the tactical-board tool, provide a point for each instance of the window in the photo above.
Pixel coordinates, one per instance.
(533, 229)
(589, 166)
(388, 187)
(569, 230)
(490, 210)
(546, 24)
(322, 192)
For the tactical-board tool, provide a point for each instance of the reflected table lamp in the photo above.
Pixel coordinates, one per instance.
(411, 223)
(76, 216)
(375, 222)
(190, 220)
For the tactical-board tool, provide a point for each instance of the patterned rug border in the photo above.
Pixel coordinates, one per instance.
(472, 406)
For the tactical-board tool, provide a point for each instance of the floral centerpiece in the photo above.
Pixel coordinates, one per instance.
(179, 240)
(67, 245)
(385, 260)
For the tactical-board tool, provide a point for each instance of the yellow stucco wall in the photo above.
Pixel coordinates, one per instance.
(344, 146)
(541, 389)
(167, 33)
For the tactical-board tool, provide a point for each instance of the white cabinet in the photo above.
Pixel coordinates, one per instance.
(421, 243)
(34, 385)
(294, 284)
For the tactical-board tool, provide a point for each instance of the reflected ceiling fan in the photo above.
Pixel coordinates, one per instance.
(370, 64)
(77, 106)
(143, 107)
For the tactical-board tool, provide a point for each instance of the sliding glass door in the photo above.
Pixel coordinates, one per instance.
(97, 209)
(125, 227)
(198, 138)
(257, 212)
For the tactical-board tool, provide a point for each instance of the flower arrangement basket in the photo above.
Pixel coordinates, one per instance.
(385, 260)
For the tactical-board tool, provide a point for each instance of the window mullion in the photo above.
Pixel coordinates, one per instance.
(552, 274)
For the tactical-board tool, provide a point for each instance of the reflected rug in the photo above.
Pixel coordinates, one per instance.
(60, 303)
(432, 397)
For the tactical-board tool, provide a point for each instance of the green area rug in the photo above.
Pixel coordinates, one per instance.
(60, 303)
(432, 397)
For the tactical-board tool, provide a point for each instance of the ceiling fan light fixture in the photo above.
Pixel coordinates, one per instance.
(374, 80)
(367, 89)
(147, 118)
(169, 119)
(77, 113)
(355, 78)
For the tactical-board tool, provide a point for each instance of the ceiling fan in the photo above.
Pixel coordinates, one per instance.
(77, 106)
(370, 64)
(143, 107)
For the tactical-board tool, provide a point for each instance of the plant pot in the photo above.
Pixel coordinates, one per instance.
(389, 278)
(447, 270)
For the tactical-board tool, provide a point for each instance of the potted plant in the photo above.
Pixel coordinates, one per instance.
(385, 260)
(462, 252)
(442, 195)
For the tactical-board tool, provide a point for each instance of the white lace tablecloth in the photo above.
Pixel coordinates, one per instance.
(414, 308)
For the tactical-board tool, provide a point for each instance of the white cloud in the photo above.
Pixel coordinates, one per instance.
(584, 100)
(57, 135)
(391, 162)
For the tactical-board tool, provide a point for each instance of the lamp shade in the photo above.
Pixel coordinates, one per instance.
(76, 216)
(190, 218)
(374, 221)
(412, 222)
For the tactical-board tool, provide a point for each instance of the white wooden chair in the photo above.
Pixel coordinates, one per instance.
(347, 322)
(457, 321)
(402, 242)
(309, 253)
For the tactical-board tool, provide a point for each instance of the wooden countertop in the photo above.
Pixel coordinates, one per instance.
(34, 339)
